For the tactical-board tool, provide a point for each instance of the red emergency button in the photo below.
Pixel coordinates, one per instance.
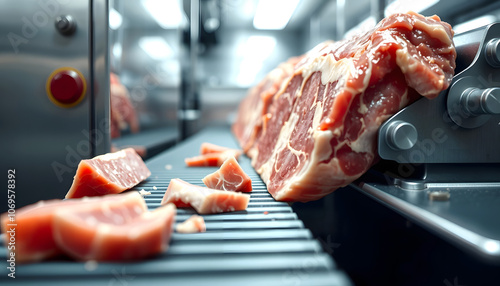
(66, 87)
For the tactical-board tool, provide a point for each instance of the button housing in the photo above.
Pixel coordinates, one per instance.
(66, 87)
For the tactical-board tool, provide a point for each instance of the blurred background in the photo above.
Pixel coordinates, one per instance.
(188, 63)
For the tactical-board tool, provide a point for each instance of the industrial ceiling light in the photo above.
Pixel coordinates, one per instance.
(167, 13)
(253, 52)
(274, 14)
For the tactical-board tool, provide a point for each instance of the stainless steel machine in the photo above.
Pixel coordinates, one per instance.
(441, 158)
(54, 93)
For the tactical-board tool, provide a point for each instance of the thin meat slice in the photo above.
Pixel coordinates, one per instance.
(229, 177)
(320, 130)
(207, 148)
(111, 232)
(34, 230)
(212, 159)
(193, 224)
(110, 173)
(204, 200)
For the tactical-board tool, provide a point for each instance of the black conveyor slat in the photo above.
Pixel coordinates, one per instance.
(266, 244)
(263, 234)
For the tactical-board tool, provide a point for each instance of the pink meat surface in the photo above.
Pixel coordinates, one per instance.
(111, 227)
(248, 125)
(207, 148)
(32, 229)
(110, 173)
(193, 224)
(212, 159)
(204, 200)
(320, 130)
(229, 177)
(114, 232)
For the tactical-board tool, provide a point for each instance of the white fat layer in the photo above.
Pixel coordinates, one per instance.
(435, 30)
(331, 69)
(198, 197)
(221, 182)
(226, 185)
(322, 148)
(283, 86)
(191, 195)
(144, 193)
(318, 113)
(405, 61)
(408, 64)
(404, 100)
(113, 156)
(368, 74)
(362, 144)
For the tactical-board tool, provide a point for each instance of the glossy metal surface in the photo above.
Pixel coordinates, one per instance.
(42, 141)
(466, 214)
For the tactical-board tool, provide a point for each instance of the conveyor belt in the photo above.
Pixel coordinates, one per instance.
(153, 141)
(265, 245)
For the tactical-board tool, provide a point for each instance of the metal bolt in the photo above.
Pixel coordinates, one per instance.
(493, 52)
(66, 25)
(401, 135)
(477, 101)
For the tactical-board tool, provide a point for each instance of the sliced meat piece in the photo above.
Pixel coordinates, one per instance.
(212, 159)
(320, 130)
(110, 173)
(229, 177)
(204, 200)
(32, 227)
(112, 232)
(207, 148)
(193, 224)
(35, 223)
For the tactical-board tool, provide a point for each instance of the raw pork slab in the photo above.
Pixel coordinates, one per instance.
(229, 177)
(319, 132)
(105, 232)
(204, 200)
(110, 173)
